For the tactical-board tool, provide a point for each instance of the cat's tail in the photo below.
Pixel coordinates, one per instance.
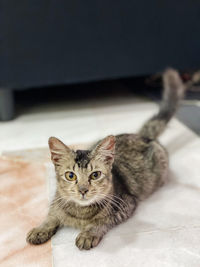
(172, 94)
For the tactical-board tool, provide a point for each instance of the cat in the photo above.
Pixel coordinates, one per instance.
(100, 188)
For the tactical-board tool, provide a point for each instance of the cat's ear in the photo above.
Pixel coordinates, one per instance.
(58, 149)
(105, 150)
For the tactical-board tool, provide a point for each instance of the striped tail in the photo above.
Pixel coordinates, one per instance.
(172, 94)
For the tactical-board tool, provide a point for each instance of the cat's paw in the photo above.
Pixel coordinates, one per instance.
(37, 236)
(87, 240)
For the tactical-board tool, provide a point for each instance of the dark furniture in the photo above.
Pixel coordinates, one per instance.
(53, 42)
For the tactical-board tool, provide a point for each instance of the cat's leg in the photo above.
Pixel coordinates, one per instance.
(93, 234)
(44, 232)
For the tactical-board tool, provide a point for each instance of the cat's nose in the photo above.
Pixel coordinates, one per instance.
(83, 190)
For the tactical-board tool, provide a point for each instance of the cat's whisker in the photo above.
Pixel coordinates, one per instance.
(118, 201)
(57, 199)
(105, 206)
(60, 202)
(114, 202)
(116, 197)
(54, 202)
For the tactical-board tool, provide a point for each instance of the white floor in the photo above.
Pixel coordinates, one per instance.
(165, 230)
(75, 123)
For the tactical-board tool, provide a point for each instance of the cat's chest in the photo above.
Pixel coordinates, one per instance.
(75, 222)
(77, 218)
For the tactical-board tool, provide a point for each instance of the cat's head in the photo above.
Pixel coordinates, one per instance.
(83, 176)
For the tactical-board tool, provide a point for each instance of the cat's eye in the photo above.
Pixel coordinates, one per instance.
(95, 175)
(70, 176)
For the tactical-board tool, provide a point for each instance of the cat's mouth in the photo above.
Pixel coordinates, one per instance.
(84, 197)
(85, 201)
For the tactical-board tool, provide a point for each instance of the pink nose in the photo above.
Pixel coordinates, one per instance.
(83, 191)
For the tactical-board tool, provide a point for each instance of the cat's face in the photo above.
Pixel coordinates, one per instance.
(83, 176)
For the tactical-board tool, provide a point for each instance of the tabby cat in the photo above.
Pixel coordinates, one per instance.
(101, 187)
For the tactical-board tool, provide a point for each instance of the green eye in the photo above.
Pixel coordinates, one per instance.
(95, 175)
(70, 176)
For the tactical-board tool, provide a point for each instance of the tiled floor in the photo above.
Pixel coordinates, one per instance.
(165, 229)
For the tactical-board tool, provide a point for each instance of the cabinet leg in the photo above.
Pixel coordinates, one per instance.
(6, 104)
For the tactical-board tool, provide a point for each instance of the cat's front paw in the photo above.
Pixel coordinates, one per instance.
(37, 236)
(87, 240)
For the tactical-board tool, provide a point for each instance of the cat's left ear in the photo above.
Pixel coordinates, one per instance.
(105, 150)
(58, 150)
